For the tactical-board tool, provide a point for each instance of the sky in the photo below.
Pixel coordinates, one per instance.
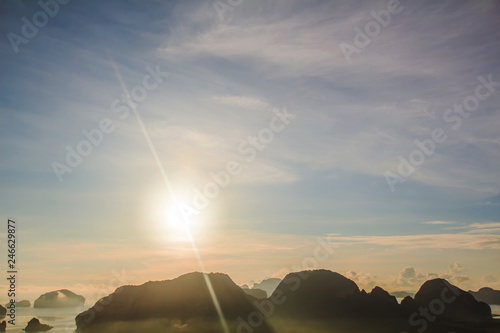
(271, 128)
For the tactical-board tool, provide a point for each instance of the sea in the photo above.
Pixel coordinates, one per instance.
(63, 319)
(495, 309)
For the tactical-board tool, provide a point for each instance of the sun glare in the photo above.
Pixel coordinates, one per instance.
(170, 218)
(179, 217)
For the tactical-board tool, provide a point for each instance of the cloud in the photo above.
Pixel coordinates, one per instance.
(408, 273)
(280, 274)
(358, 117)
(457, 279)
(430, 241)
(479, 228)
(242, 101)
(456, 268)
(298, 53)
(489, 279)
(487, 203)
(439, 222)
(409, 277)
(363, 280)
(461, 279)
(484, 227)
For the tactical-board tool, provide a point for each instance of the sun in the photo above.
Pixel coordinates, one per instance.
(179, 216)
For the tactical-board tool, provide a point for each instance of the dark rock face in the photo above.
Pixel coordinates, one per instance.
(34, 325)
(447, 302)
(316, 294)
(3, 326)
(318, 298)
(179, 300)
(381, 295)
(487, 295)
(380, 303)
(408, 305)
(3, 311)
(324, 294)
(256, 293)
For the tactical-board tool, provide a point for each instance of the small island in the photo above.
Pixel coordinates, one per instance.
(487, 295)
(21, 304)
(59, 299)
(34, 325)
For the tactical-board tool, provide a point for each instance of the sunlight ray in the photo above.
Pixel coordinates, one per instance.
(172, 194)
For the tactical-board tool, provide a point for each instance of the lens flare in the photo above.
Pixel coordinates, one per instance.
(179, 216)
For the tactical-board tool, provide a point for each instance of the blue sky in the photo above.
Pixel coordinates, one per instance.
(322, 175)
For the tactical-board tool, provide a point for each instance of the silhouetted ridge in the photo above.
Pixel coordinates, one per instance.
(21, 304)
(487, 295)
(268, 285)
(184, 298)
(457, 304)
(256, 293)
(379, 303)
(318, 293)
(319, 298)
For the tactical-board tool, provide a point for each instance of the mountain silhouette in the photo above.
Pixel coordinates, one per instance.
(59, 299)
(316, 294)
(457, 305)
(34, 325)
(487, 295)
(308, 301)
(441, 305)
(184, 302)
(21, 304)
(325, 294)
(268, 285)
(402, 294)
(255, 293)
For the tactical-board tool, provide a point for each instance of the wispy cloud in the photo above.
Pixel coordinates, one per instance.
(439, 222)
(477, 237)
(242, 101)
(353, 122)
(487, 203)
